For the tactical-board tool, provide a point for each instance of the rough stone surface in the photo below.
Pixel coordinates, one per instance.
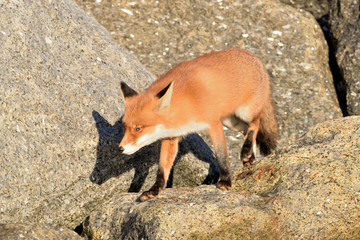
(179, 214)
(310, 190)
(290, 42)
(60, 107)
(345, 33)
(318, 8)
(35, 232)
(314, 186)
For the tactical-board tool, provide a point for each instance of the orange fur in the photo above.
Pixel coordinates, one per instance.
(229, 86)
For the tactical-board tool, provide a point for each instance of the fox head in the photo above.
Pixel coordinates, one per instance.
(144, 118)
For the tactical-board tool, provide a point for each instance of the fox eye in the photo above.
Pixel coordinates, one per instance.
(137, 129)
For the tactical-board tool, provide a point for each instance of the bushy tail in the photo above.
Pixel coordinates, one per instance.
(269, 130)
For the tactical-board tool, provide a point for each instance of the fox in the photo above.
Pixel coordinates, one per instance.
(228, 88)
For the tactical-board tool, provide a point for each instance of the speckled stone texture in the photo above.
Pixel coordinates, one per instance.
(36, 232)
(313, 187)
(345, 33)
(60, 107)
(310, 190)
(290, 43)
(179, 214)
(318, 8)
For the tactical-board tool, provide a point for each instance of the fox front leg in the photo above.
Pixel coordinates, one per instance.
(168, 152)
(217, 136)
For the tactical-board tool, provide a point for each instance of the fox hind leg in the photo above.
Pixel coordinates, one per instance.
(248, 150)
(218, 138)
(169, 150)
(234, 123)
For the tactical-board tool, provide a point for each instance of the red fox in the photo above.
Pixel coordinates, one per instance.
(229, 87)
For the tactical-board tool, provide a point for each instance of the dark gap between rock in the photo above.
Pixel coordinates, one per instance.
(79, 229)
(339, 82)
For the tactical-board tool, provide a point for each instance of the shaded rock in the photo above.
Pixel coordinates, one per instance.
(291, 44)
(310, 190)
(345, 33)
(318, 8)
(315, 184)
(180, 214)
(60, 116)
(339, 82)
(34, 231)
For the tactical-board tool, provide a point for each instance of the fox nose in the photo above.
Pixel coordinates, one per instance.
(121, 149)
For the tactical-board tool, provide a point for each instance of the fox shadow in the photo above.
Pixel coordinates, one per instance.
(110, 162)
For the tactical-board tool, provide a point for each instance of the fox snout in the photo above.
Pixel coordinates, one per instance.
(121, 149)
(124, 149)
(129, 148)
(127, 144)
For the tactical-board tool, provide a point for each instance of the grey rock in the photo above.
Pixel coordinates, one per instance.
(318, 8)
(60, 115)
(345, 33)
(290, 43)
(13, 231)
(178, 214)
(314, 185)
(310, 190)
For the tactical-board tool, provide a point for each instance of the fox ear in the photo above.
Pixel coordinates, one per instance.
(164, 97)
(127, 91)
